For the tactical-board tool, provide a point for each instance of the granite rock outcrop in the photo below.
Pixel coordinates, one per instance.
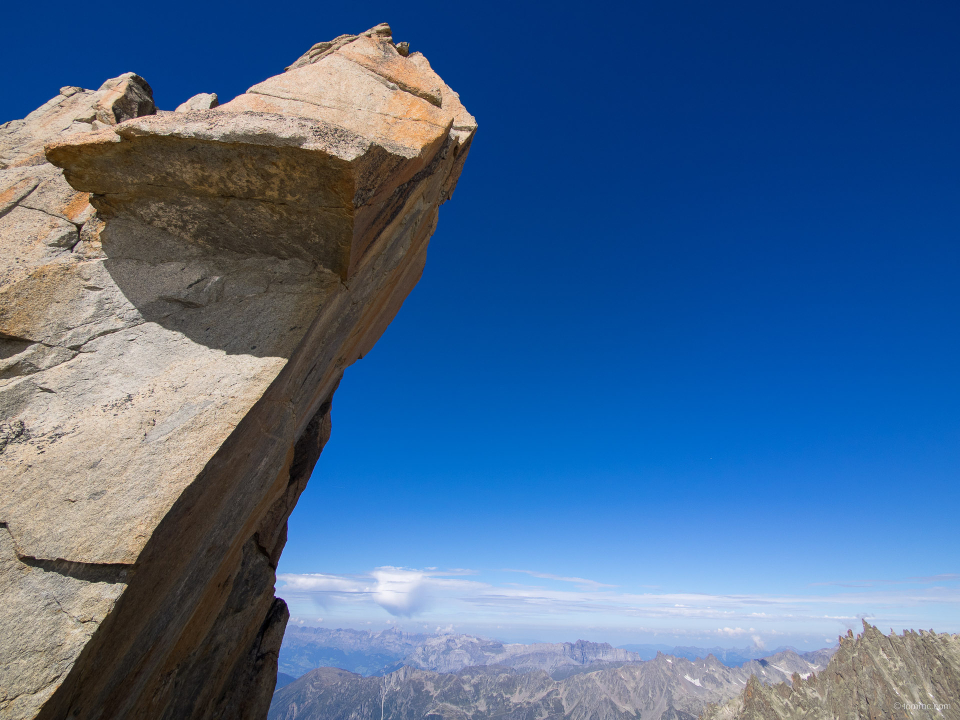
(180, 293)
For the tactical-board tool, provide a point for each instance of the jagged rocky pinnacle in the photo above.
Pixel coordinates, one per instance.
(876, 676)
(177, 307)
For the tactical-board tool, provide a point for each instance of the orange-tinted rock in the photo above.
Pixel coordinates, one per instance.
(170, 352)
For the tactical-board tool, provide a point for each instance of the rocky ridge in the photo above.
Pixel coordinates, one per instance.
(872, 675)
(367, 653)
(450, 653)
(665, 687)
(180, 293)
(734, 656)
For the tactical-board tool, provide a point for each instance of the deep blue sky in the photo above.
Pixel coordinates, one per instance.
(690, 320)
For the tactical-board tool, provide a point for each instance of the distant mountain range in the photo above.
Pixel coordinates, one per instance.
(731, 657)
(397, 675)
(662, 688)
(888, 677)
(359, 651)
(451, 653)
(373, 654)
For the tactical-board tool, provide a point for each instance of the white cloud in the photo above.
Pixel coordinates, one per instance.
(733, 632)
(401, 592)
(446, 596)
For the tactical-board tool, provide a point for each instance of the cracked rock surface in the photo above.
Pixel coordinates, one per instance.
(179, 295)
(876, 676)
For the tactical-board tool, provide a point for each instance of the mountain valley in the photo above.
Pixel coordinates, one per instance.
(462, 676)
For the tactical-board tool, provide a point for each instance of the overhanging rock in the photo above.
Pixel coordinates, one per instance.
(177, 307)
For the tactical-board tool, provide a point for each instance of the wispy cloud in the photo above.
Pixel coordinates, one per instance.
(945, 577)
(581, 583)
(402, 592)
(914, 580)
(734, 632)
(442, 595)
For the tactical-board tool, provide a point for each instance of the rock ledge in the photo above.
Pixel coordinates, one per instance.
(179, 296)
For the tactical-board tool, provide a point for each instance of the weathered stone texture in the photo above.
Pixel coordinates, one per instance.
(177, 306)
(876, 676)
(202, 101)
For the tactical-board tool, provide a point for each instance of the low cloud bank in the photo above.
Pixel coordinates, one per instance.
(450, 598)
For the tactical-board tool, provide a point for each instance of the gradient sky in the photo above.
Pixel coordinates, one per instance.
(686, 348)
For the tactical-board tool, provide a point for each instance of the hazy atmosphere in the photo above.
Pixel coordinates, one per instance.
(682, 368)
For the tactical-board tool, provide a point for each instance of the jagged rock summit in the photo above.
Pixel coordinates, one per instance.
(180, 293)
(876, 676)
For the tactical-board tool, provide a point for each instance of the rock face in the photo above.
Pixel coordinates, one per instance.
(177, 307)
(876, 676)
